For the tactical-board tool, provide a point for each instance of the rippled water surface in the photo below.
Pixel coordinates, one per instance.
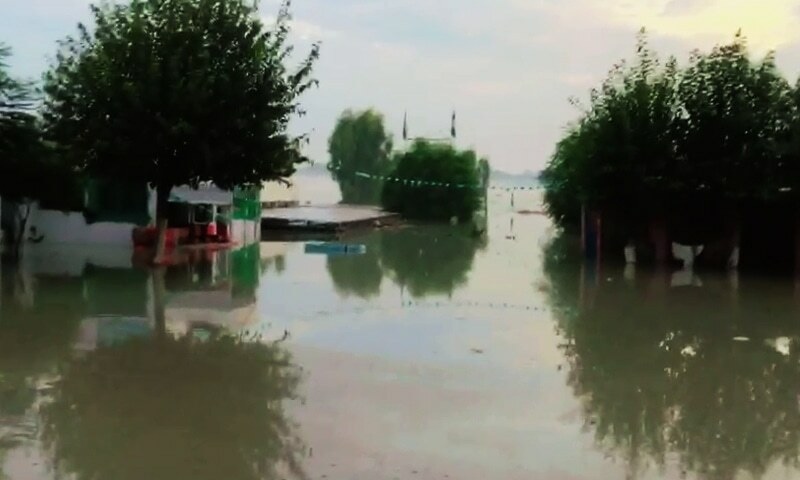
(433, 355)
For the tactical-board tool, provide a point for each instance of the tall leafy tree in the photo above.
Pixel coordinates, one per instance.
(733, 113)
(18, 133)
(434, 181)
(174, 92)
(788, 169)
(359, 143)
(619, 158)
(684, 152)
(20, 145)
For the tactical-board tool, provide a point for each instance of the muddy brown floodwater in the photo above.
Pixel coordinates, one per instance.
(434, 355)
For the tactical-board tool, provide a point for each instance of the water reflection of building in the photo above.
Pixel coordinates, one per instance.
(273, 256)
(61, 412)
(214, 290)
(207, 290)
(107, 212)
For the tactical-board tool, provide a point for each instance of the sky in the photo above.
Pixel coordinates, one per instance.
(507, 67)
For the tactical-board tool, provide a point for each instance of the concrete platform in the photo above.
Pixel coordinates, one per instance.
(325, 218)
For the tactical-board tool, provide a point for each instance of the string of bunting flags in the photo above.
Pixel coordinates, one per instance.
(427, 183)
(489, 305)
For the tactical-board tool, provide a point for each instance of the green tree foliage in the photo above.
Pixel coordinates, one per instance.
(619, 157)
(20, 146)
(178, 92)
(564, 187)
(359, 143)
(657, 141)
(789, 167)
(167, 408)
(19, 133)
(30, 170)
(457, 173)
(733, 114)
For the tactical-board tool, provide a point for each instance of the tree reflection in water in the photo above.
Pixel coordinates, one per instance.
(37, 327)
(430, 260)
(82, 371)
(434, 260)
(707, 376)
(358, 275)
(175, 408)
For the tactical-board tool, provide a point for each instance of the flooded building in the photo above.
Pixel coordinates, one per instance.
(108, 212)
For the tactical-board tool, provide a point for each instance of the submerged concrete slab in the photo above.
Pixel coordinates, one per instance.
(324, 217)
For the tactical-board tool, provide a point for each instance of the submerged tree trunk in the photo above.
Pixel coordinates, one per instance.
(660, 240)
(162, 203)
(159, 301)
(797, 244)
(735, 241)
(23, 213)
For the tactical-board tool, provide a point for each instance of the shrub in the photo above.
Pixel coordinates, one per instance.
(434, 181)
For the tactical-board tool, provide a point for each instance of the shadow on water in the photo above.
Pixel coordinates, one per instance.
(703, 370)
(430, 260)
(100, 388)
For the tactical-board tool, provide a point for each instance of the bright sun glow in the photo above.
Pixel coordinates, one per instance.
(768, 24)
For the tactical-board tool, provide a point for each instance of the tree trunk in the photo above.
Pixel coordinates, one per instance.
(735, 241)
(162, 203)
(630, 252)
(18, 237)
(591, 234)
(797, 245)
(159, 301)
(658, 235)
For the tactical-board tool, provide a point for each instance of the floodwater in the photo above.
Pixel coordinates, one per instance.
(435, 355)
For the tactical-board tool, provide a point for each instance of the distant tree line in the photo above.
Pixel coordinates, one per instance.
(430, 180)
(708, 152)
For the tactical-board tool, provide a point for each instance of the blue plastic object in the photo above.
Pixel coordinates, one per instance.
(332, 248)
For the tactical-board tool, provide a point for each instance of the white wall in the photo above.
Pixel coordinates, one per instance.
(71, 227)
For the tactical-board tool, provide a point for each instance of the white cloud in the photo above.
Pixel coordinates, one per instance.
(768, 24)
